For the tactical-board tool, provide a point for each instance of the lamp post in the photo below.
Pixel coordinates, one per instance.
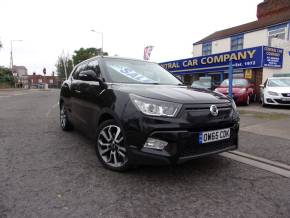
(11, 52)
(101, 33)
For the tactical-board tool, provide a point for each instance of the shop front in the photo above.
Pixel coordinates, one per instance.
(247, 63)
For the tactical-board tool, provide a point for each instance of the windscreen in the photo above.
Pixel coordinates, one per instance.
(236, 82)
(201, 84)
(139, 72)
(279, 82)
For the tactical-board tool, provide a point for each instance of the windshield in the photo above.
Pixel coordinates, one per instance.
(139, 72)
(201, 84)
(279, 82)
(236, 82)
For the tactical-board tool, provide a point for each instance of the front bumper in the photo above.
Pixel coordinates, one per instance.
(240, 98)
(181, 133)
(277, 100)
(182, 146)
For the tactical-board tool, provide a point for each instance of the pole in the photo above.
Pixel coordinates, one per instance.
(102, 44)
(230, 71)
(102, 35)
(11, 57)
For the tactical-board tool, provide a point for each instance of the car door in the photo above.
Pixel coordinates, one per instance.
(89, 92)
(76, 97)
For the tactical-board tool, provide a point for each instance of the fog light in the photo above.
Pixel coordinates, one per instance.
(269, 100)
(155, 144)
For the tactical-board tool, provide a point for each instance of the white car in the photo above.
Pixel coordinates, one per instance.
(276, 91)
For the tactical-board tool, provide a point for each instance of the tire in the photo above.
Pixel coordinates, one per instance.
(263, 102)
(65, 124)
(111, 147)
(248, 101)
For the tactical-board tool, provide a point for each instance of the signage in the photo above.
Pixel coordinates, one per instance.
(256, 57)
(248, 74)
(272, 57)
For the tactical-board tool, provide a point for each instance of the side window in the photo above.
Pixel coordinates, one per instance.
(94, 66)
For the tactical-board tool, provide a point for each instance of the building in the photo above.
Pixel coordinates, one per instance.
(20, 74)
(19, 71)
(257, 50)
(38, 81)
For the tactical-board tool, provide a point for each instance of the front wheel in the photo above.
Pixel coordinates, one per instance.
(248, 100)
(111, 147)
(263, 102)
(63, 118)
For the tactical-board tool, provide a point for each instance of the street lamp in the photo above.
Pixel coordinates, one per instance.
(101, 33)
(11, 52)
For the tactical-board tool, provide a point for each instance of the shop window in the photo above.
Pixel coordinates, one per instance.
(278, 32)
(237, 42)
(206, 48)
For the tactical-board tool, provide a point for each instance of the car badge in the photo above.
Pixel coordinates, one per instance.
(214, 110)
(288, 95)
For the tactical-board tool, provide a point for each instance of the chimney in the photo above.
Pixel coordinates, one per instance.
(272, 7)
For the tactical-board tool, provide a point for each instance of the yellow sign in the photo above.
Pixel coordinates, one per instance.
(248, 74)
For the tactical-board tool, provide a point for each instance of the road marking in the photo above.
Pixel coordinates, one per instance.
(50, 110)
(261, 163)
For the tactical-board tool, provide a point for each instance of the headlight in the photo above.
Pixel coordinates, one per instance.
(154, 107)
(243, 90)
(273, 93)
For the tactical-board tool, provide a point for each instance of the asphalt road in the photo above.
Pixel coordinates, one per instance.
(45, 172)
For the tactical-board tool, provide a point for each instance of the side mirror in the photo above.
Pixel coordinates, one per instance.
(88, 75)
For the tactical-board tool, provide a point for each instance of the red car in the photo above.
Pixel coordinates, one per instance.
(243, 90)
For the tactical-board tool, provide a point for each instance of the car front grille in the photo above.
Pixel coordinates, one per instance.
(286, 94)
(282, 102)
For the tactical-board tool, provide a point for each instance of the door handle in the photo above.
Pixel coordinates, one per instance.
(77, 91)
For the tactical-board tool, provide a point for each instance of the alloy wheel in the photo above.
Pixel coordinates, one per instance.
(63, 117)
(111, 146)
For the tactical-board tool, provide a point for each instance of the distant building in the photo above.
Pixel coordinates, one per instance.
(19, 71)
(20, 74)
(38, 81)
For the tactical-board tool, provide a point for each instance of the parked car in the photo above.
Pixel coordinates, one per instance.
(276, 91)
(243, 91)
(138, 113)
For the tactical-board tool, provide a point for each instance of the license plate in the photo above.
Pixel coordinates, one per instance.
(215, 135)
(285, 99)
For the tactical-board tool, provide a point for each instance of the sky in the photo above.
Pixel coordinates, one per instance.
(52, 27)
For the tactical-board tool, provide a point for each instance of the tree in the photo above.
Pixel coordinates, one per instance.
(6, 76)
(86, 53)
(64, 62)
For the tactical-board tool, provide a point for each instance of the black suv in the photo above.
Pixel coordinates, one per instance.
(138, 113)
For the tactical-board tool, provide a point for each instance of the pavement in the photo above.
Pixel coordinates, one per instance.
(46, 172)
